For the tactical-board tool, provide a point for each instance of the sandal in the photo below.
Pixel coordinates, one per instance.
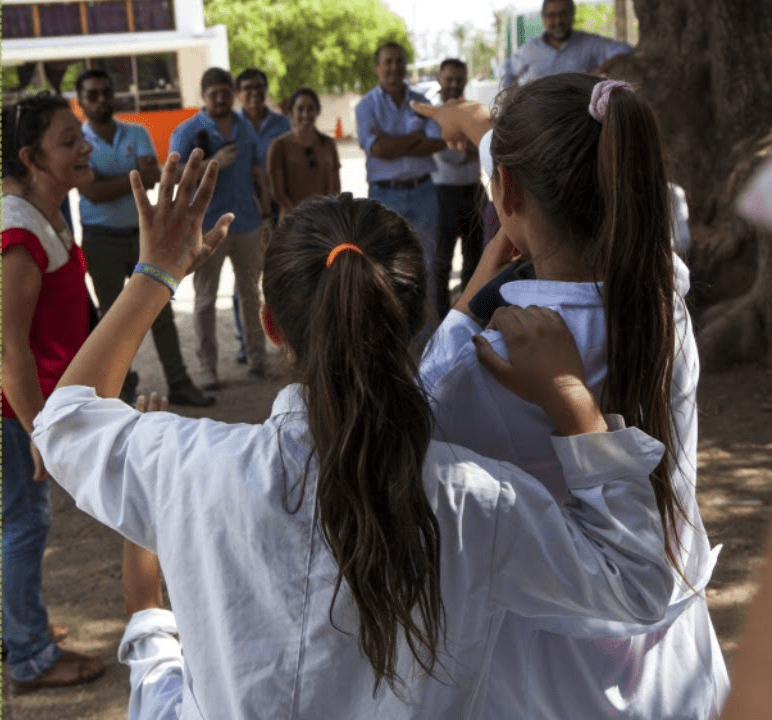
(71, 669)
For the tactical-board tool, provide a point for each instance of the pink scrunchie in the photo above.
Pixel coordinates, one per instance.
(600, 95)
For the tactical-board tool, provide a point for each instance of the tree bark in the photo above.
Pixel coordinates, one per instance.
(620, 19)
(705, 67)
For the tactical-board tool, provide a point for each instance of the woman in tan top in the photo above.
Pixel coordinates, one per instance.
(303, 162)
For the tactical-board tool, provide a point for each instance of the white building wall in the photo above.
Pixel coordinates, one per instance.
(211, 51)
(189, 16)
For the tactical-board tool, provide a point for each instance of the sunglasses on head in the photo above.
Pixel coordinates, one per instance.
(92, 94)
(309, 153)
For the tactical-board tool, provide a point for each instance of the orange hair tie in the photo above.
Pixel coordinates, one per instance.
(338, 249)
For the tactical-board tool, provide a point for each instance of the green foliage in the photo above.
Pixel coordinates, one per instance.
(595, 18)
(71, 75)
(481, 54)
(327, 45)
(476, 47)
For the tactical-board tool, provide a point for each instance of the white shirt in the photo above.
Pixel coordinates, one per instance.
(591, 668)
(251, 584)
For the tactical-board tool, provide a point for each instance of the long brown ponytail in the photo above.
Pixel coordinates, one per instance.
(351, 326)
(638, 285)
(602, 188)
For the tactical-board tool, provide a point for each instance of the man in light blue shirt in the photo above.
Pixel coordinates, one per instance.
(399, 145)
(110, 223)
(561, 48)
(251, 88)
(230, 138)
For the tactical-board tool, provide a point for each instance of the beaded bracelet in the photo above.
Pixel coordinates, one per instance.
(156, 273)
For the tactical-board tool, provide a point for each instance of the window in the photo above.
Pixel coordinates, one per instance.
(158, 82)
(157, 72)
(122, 74)
(59, 19)
(17, 21)
(99, 16)
(153, 15)
(107, 17)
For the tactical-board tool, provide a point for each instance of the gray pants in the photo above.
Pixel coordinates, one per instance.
(111, 255)
(246, 255)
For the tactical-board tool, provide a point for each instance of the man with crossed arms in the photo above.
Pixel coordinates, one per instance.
(399, 145)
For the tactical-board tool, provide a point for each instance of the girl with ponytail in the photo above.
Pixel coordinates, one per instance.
(579, 182)
(335, 562)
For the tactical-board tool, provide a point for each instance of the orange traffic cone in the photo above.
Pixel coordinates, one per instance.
(339, 130)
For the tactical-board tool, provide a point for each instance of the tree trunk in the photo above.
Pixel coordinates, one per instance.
(705, 67)
(620, 19)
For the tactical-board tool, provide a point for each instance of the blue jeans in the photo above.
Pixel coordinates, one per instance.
(418, 206)
(26, 519)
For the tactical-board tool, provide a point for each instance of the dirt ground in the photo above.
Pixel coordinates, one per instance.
(82, 573)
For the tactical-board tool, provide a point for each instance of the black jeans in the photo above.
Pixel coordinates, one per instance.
(460, 215)
(111, 256)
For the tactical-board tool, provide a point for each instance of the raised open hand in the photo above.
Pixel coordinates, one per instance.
(170, 234)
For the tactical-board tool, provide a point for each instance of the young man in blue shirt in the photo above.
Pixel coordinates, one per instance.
(230, 138)
(251, 90)
(110, 223)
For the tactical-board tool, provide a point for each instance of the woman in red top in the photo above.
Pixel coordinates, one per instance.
(44, 321)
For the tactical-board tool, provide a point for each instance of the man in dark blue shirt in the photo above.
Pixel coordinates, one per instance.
(230, 138)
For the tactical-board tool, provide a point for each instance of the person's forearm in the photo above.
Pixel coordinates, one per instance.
(428, 146)
(388, 147)
(21, 385)
(461, 121)
(104, 189)
(574, 410)
(104, 359)
(497, 255)
(476, 122)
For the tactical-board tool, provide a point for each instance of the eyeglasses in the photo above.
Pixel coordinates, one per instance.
(92, 94)
(309, 153)
(219, 94)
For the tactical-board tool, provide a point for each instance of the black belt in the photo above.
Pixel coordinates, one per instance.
(402, 184)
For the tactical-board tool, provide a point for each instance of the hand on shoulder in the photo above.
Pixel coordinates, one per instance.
(543, 367)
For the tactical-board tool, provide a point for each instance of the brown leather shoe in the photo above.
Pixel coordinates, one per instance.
(71, 669)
